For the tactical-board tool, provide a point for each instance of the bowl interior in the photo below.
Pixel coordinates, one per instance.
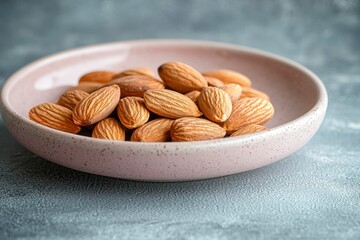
(291, 91)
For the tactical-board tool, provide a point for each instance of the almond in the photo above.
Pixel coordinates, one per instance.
(157, 130)
(229, 76)
(97, 76)
(214, 82)
(72, 97)
(170, 104)
(181, 77)
(109, 128)
(251, 92)
(134, 71)
(247, 111)
(136, 85)
(193, 95)
(132, 112)
(249, 129)
(234, 91)
(195, 129)
(215, 104)
(97, 106)
(54, 116)
(88, 87)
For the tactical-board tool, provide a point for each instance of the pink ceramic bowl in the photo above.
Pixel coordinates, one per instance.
(299, 98)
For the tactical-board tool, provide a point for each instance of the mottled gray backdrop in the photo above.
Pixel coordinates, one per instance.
(314, 193)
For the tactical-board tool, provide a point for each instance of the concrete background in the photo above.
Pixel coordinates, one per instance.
(313, 194)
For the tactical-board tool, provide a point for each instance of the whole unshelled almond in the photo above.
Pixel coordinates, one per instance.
(251, 92)
(195, 129)
(134, 71)
(88, 87)
(157, 130)
(234, 91)
(193, 95)
(215, 104)
(54, 116)
(136, 85)
(249, 129)
(132, 112)
(72, 97)
(214, 82)
(247, 111)
(109, 128)
(97, 76)
(181, 77)
(97, 106)
(229, 76)
(170, 104)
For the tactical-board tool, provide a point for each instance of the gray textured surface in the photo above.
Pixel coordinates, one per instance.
(315, 193)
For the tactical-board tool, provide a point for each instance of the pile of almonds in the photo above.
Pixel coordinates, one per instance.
(184, 105)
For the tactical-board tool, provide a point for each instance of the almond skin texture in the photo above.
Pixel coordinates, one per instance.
(214, 82)
(251, 92)
(54, 116)
(234, 91)
(170, 104)
(248, 129)
(136, 85)
(134, 71)
(132, 112)
(157, 130)
(193, 95)
(228, 76)
(109, 128)
(195, 129)
(97, 106)
(181, 77)
(247, 111)
(72, 97)
(97, 76)
(215, 104)
(88, 87)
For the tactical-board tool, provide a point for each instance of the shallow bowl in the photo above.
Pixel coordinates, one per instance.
(298, 96)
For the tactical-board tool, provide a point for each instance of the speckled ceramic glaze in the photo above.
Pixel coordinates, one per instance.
(299, 98)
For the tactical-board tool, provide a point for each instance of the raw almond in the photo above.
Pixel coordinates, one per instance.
(136, 85)
(72, 97)
(109, 128)
(170, 104)
(215, 104)
(181, 77)
(157, 130)
(134, 71)
(195, 129)
(234, 91)
(97, 76)
(97, 106)
(214, 82)
(247, 111)
(249, 129)
(132, 112)
(193, 95)
(88, 87)
(229, 76)
(54, 116)
(251, 92)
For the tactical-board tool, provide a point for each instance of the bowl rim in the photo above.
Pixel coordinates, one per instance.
(9, 82)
